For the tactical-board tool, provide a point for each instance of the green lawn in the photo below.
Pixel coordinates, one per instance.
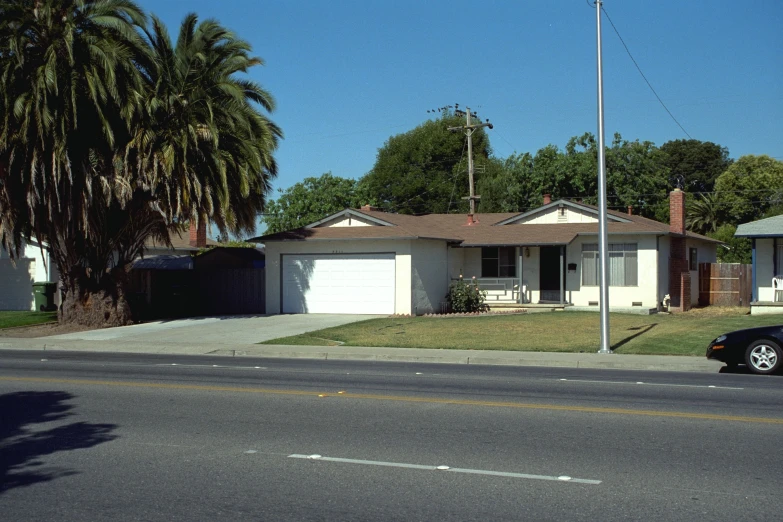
(11, 319)
(660, 334)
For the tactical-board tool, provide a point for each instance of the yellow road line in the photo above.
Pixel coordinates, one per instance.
(400, 398)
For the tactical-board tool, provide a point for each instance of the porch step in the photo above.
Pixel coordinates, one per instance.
(530, 307)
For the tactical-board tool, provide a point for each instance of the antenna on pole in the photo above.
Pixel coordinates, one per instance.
(469, 128)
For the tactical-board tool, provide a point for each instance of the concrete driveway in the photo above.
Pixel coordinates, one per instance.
(229, 330)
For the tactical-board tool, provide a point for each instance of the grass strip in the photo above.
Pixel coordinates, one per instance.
(11, 319)
(659, 334)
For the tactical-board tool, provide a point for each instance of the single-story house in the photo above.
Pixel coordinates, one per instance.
(181, 244)
(369, 262)
(162, 281)
(767, 236)
(17, 277)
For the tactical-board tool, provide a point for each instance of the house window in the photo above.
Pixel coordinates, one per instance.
(498, 262)
(693, 259)
(623, 266)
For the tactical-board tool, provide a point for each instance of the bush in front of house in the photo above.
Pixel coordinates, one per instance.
(466, 297)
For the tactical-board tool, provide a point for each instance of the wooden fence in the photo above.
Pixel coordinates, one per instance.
(228, 291)
(725, 284)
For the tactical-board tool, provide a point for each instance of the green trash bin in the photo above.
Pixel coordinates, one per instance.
(44, 291)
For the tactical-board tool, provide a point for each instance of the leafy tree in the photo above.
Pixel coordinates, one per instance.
(636, 176)
(750, 187)
(697, 164)
(310, 200)
(109, 137)
(506, 185)
(737, 250)
(424, 170)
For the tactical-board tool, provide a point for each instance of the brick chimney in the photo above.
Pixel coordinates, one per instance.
(547, 199)
(679, 275)
(630, 210)
(198, 234)
(677, 212)
(471, 221)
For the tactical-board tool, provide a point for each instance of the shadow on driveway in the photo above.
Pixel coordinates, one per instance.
(22, 446)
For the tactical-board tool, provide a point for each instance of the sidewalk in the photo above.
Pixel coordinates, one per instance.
(357, 353)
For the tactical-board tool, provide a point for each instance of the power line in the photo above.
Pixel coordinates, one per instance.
(643, 76)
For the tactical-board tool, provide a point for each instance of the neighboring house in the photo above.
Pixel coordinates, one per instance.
(181, 244)
(767, 236)
(161, 282)
(370, 262)
(17, 277)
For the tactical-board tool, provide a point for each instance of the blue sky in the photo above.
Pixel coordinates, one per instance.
(348, 74)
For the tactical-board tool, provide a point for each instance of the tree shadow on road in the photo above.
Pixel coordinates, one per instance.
(25, 439)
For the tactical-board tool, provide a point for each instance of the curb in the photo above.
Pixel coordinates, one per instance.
(383, 354)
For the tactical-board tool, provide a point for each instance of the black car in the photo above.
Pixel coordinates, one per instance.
(758, 348)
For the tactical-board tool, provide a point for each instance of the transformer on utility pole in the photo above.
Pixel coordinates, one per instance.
(469, 129)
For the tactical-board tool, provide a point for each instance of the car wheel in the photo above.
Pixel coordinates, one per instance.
(763, 357)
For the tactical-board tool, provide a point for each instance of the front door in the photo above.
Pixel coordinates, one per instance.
(549, 270)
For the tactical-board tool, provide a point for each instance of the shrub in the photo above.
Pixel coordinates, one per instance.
(466, 296)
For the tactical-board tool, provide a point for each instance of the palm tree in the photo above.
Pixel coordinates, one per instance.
(69, 83)
(123, 136)
(204, 146)
(703, 214)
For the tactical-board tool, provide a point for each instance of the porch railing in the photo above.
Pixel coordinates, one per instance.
(500, 289)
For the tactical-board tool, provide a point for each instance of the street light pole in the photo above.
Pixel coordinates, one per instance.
(603, 247)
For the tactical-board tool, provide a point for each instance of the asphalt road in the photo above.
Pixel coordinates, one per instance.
(138, 437)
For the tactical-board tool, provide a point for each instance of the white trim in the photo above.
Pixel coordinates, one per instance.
(350, 212)
(559, 203)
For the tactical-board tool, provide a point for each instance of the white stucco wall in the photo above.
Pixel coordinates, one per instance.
(530, 274)
(619, 296)
(664, 251)
(429, 276)
(16, 279)
(471, 263)
(403, 299)
(764, 269)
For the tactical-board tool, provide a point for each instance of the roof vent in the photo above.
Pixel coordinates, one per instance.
(471, 221)
(369, 208)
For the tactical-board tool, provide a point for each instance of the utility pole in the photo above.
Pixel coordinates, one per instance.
(469, 129)
(603, 247)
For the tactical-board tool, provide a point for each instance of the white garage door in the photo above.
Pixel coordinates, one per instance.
(338, 284)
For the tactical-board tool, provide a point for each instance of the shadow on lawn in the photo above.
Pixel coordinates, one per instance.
(22, 447)
(642, 330)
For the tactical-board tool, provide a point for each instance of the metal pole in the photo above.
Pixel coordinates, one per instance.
(603, 247)
(472, 198)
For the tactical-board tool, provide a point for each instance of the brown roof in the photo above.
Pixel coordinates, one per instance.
(179, 241)
(452, 227)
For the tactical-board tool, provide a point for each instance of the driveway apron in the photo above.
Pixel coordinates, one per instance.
(228, 330)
